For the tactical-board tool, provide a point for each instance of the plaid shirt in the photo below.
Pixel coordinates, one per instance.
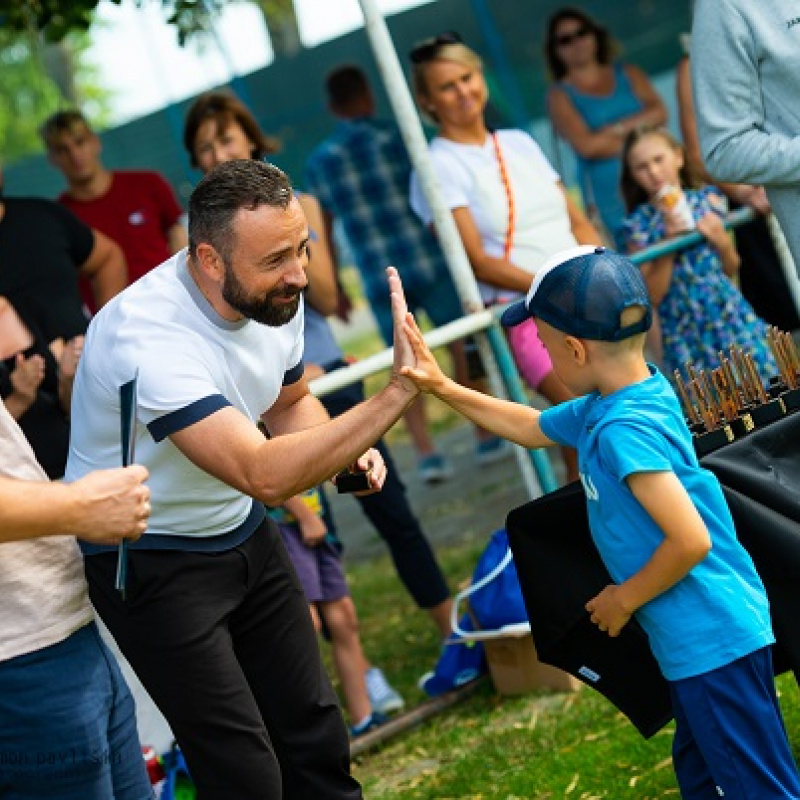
(360, 175)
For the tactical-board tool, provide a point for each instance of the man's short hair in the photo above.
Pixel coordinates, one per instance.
(346, 84)
(229, 187)
(65, 121)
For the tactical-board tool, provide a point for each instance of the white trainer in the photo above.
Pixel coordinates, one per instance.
(382, 697)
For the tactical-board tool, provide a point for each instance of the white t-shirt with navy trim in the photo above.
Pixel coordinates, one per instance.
(469, 177)
(191, 362)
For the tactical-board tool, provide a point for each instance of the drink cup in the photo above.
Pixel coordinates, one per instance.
(672, 198)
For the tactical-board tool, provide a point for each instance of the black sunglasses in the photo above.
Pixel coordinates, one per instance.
(428, 48)
(569, 38)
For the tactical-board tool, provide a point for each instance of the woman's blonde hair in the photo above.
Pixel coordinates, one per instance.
(457, 52)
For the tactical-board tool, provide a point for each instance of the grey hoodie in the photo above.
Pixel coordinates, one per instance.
(745, 61)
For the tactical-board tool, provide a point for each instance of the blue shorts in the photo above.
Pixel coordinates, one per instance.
(68, 725)
(438, 300)
(319, 568)
(730, 739)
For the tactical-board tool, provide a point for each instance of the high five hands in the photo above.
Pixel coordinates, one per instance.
(404, 356)
(415, 368)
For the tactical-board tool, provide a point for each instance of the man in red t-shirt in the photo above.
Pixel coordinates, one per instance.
(137, 209)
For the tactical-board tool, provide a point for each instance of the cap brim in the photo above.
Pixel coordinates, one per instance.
(515, 314)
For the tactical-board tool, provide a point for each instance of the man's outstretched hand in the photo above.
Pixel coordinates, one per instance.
(403, 351)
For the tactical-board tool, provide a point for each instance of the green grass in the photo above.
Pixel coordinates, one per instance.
(541, 745)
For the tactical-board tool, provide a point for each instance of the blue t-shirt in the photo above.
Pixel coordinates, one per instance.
(719, 611)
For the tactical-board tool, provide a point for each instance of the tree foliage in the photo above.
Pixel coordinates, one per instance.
(54, 18)
(36, 79)
(57, 18)
(191, 17)
(280, 17)
(28, 94)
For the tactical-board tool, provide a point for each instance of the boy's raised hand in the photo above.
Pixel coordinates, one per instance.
(426, 374)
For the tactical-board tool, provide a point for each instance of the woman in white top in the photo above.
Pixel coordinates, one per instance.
(508, 203)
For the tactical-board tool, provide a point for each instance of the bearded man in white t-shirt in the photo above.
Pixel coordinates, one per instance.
(214, 621)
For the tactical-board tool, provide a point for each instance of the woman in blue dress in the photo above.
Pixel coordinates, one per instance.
(700, 309)
(594, 104)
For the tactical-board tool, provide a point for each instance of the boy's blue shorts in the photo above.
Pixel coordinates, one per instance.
(68, 725)
(730, 739)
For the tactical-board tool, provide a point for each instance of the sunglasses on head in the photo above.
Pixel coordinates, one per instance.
(428, 48)
(569, 38)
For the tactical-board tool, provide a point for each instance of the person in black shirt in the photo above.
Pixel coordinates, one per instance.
(43, 250)
(36, 386)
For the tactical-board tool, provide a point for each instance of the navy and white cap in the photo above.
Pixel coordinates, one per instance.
(583, 292)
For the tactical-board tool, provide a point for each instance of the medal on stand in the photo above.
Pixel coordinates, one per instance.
(729, 401)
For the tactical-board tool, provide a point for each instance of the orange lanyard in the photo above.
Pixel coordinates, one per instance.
(509, 197)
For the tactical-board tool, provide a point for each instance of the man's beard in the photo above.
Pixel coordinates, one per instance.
(260, 309)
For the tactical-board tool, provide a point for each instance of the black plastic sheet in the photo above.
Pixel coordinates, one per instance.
(560, 569)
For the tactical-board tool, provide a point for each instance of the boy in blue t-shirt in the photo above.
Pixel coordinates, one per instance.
(658, 519)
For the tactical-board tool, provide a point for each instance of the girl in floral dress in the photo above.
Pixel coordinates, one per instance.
(700, 309)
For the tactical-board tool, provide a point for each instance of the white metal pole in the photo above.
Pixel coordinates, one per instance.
(449, 238)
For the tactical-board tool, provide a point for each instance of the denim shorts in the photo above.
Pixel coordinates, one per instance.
(68, 725)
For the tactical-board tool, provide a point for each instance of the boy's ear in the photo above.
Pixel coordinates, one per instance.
(576, 348)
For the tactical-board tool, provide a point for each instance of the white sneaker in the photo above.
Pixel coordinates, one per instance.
(382, 697)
